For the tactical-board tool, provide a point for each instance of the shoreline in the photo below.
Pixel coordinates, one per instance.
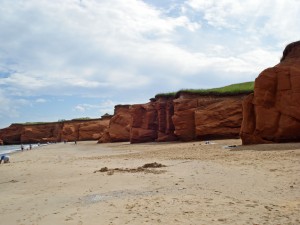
(201, 184)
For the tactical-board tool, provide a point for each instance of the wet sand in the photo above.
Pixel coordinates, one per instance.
(201, 184)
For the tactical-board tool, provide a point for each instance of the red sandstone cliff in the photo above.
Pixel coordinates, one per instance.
(152, 121)
(48, 132)
(79, 130)
(144, 123)
(119, 126)
(12, 134)
(272, 113)
(199, 117)
(188, 117)
(165, 126)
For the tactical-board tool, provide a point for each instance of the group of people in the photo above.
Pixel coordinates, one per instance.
(22, 147)
(5, 158)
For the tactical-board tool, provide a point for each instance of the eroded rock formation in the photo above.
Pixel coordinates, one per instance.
(79, 130)
(144, 123)
(49, 132)
(12, 134)
(165, 126)
(200, 117)
(119, 126)
(272, 113)
(219, 120)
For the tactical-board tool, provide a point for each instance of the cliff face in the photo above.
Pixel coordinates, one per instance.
(165, 126)
(41, 133)
(119, 126)
(272, 113)
(12, 134)
(219, 120)
(144, 123)
(188, 117)
(54, 132)
(207, 117)
(152, 121)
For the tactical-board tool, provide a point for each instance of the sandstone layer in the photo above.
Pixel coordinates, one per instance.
(144, 123)
(272, 112)
(79, 130)
(188, 117)
(200, 117)
(119, 126)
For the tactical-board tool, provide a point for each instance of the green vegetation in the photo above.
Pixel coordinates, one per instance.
(59, 121)
(31, 123)
(82, 118)
(233, 89)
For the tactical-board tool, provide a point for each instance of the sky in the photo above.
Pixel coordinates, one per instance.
(65, 59)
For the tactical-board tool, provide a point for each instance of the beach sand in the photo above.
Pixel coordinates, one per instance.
(201, 184)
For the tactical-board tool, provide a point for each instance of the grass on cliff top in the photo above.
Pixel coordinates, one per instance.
(240, 88)
(59, 121)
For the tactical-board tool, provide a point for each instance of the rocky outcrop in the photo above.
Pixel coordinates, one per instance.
(219, 120)
(153, 121)
(272, 113)
(188, 117)
(144, 123)
(49, 132)
(119, 125)
(199, 117)
(165, 126)
(80, 130)
(12, 134)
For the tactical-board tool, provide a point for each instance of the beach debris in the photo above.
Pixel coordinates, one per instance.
(230, 146)
(11, 181)
(104, 169)
(146, 168)
(153, 165)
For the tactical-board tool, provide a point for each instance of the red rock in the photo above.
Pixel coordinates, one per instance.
(184, 116)
(48, 132)
(219, 120)
(120, 123)
(92, 130)
(79, 130)
(12, 134)
(144, 123)
(198, 117)
(70, 131)
(105, 138)
(165, 110)
(272, 114)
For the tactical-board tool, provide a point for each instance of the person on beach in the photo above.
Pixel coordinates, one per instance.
(30, 146)
(22, 148)
(4, 158)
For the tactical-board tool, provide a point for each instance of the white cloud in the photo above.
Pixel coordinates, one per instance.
(106, 106)
(40, 100)
(129, 50)
(9, 107)
(275, 18)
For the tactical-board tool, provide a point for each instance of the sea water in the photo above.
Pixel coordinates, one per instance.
(7, 149)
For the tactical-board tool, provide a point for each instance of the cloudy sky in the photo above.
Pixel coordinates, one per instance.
(64, 59)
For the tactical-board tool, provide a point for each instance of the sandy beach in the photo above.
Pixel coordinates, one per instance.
(198, 183)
